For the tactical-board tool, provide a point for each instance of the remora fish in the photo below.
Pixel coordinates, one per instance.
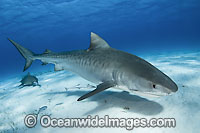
(29, 80)
(107, 67)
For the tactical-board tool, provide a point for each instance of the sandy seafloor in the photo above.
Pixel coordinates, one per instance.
(60, 91)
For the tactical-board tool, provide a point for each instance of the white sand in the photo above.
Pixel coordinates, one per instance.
(184, 105)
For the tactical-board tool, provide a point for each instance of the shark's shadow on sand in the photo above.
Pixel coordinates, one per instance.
(122, 100)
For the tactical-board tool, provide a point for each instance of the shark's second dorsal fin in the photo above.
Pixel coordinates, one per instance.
(97, 42)
(47, 51)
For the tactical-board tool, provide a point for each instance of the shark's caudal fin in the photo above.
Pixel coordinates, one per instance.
(27, 54)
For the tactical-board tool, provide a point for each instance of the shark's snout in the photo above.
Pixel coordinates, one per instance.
(172, 87)
(165, 84)
(175, 88)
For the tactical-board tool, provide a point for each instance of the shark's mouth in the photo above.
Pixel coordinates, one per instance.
(155, 93)
(150, 94)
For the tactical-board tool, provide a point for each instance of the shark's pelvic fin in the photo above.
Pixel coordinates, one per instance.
(27, 54)
(97, 42)
(101, 87)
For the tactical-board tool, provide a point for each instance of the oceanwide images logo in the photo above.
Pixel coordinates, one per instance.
(96, 121)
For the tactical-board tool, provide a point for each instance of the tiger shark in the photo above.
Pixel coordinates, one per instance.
(107, 67)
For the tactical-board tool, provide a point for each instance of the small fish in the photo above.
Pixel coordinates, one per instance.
(42, 109)
(58, 104)
(29, 80)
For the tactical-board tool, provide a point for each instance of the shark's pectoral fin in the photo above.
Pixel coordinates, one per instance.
(21, 86)
(58, 67)
(101, 87)
(28, 64)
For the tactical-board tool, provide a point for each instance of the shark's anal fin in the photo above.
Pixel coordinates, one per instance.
(101, 87)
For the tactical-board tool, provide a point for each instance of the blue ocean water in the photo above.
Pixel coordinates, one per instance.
(142, 27)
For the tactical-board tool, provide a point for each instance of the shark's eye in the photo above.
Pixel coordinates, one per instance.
(154, 86)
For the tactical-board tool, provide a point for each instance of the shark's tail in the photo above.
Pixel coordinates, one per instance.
(27, 54)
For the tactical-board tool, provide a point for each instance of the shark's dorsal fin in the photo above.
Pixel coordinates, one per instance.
(97, 42)
(28, 73)
(47, 51)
